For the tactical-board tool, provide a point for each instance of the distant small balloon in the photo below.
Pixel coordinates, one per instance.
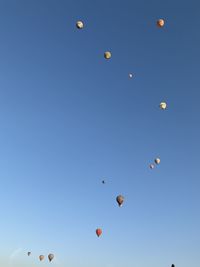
(29, 253)
(103, 182)
(50, 257)
(163, 105)
(130, 75)
(160, 23)
(41, 257)
(98, 232)
(120, 200)
(107, 55)
(79, 24)
(173, 265)
(157, 161)
(151, 166)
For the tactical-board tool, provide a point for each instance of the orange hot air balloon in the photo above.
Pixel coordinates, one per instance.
(160, 23)
(98, 232)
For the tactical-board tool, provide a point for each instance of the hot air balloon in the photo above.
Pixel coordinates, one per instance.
(29, 253)
(163, 105)
(79, 24)
(157, 161)
(120, 200)
(41, 257)
(107, 55)
(103, 182)
(160, 23)
(50, 257)
(151, 166)
(173, 265)
(130, 75)
(98, 232)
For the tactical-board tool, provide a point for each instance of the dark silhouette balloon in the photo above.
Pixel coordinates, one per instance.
(50, 257)
(29, 253)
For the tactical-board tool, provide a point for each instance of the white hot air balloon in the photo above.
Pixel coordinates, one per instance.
(151, 166)
(107, 55)
(163, 105)
(79, 24)
(157, 161)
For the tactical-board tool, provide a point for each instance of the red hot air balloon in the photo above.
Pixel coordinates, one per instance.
(98, 232)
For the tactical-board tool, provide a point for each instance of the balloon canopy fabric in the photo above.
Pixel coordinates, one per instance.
(120, 200)
(79, 24)
(160, 23)
(41, 257)
(50, 257)
(98, 232)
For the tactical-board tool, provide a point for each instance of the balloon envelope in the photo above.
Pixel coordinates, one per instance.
(29, 253)
(79, 24)
(163, 105)
(160, 23)
(41, 257)
(120, 200)
(151, 166)
(98, 232)
(107, 55)
(157, 161)
(50, 256)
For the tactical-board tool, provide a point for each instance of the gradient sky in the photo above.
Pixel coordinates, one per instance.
(69, 118)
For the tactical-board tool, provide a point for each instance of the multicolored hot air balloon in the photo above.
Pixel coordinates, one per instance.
(120, 200)
(79, 24)
(41, 257)
(98, 232)
(50, 257)
(160, 23)
(107, 55)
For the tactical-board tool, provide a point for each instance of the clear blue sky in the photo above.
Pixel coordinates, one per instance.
(69, 118)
